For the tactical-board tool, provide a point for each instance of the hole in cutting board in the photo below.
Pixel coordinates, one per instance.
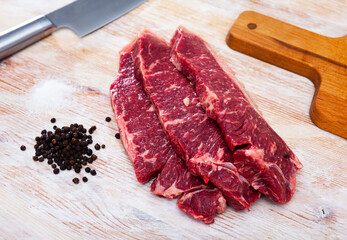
(252, 26)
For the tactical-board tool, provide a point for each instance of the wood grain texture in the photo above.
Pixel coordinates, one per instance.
(36, 204)
(321, 59)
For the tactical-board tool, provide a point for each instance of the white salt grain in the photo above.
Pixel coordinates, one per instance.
(48, 95)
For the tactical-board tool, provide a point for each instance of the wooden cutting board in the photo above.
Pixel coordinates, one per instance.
(322, 59)
(68, 78)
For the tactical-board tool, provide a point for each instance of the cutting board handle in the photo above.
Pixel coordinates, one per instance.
(319, 58)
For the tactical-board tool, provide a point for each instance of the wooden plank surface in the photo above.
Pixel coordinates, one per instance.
(68, 78)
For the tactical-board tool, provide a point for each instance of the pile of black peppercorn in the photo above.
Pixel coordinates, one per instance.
(66, 148)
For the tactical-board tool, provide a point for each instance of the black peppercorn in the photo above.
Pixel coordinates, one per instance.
(23, 148)
(103, 146)
(97, 146)
(107, 119)
(56, 171)
(87, 169)
(53, 120)
(75, 180)
(85, 179)
(93, 172)
(117, 135)
(89, 151)
(92, 129)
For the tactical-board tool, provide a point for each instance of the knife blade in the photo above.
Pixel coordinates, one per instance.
(82, 17)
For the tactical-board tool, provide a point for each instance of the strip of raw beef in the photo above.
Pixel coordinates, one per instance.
(143, 136)
(195, 137)
(203, 204)
(141, 133)
(147, 145)
(260, 154)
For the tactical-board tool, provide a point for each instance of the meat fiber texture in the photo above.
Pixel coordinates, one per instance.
(196, 138)
(149, 149)
(260, 155)
(141, 132)
(203, 204)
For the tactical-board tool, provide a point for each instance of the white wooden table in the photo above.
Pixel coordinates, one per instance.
(68, 78)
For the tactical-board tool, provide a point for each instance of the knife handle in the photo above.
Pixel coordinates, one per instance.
(19, 37)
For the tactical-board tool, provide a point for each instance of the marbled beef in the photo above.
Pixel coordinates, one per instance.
(203, 204)
(195, 137)
(149, 149)
(260, 155)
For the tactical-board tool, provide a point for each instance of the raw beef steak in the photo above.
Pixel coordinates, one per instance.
(143, 136)
(148, 147)
(260, 155)
(195, 137)
(141, 133)
(203, 204)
